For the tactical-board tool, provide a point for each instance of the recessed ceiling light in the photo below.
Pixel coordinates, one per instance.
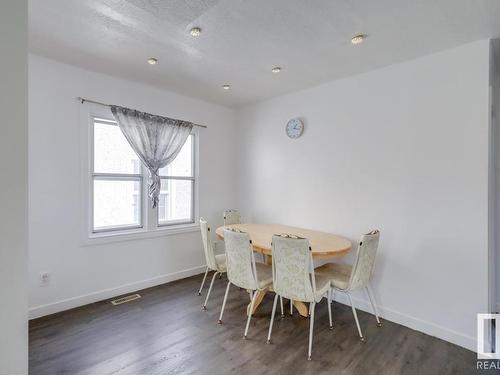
(226, 87)
(195, 31)
(357, 39)
(276, 69)
(152, 61)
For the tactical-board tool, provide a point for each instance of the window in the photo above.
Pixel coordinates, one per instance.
(177, 188)
(119, 184)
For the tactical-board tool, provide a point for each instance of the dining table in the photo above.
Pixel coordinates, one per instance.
(323, 246)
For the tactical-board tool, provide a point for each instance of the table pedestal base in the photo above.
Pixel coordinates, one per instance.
(300, 306)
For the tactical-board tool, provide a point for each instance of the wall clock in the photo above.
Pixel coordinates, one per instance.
(294, 128)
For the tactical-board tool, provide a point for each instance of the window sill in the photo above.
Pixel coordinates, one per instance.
(139, 234)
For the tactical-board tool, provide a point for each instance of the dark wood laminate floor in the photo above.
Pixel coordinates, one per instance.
(167, 332)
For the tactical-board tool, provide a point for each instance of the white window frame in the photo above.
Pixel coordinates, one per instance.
(150, 226)
(113, 176)
(193, 179)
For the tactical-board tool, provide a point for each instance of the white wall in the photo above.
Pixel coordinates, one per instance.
(496, 125)
(82, 273)
(14, 182)
(403, 149)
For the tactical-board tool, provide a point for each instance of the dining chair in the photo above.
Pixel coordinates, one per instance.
(232, 217)
(294, 278)
(215, 263)
(346, 278)
(242, 270)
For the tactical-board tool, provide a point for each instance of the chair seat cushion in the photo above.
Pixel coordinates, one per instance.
(221, 262)
(339, 274)
(264, 274)
(322, 286)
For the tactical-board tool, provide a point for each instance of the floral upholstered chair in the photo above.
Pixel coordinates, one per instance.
(346, 278)
(215, 263)
(294, 278)
(232, 217)
(242, 270)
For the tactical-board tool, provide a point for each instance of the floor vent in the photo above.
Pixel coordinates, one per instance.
(125, 299)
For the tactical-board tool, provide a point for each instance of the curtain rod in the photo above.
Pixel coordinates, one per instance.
(83, 100)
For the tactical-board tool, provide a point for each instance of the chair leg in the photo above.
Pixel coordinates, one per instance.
(272, 319)
(203, 282)
(281, 305)
(291, 307)
(209, 290)
(329, 308)
(254, 297)
(372, 301)
(311, 328)
(224, 302)
(356, 318)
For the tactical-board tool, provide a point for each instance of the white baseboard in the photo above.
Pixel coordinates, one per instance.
(66, 304)
(431, 329)
(417, 324)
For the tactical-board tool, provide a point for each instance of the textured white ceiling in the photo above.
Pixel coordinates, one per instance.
(243, 39)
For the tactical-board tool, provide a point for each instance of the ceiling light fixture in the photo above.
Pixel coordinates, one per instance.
(226, 87)
(358, 39)
(152, 61)
(195, 31)
(276, 69)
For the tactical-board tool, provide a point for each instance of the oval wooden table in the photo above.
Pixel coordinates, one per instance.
(323, 246)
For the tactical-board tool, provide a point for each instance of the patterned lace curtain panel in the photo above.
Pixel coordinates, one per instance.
(155, 139)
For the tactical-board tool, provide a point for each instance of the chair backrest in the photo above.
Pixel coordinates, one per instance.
(365, 259)
(240, 261)
(208, 246)
(293, 271)
(232, 217)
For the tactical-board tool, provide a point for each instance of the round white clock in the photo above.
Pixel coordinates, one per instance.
(294, 128)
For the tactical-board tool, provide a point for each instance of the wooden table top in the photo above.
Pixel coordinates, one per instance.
(323, 245)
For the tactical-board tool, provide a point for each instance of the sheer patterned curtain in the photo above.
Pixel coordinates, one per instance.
(155, 139)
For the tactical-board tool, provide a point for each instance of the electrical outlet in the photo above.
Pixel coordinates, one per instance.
(44, 278)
